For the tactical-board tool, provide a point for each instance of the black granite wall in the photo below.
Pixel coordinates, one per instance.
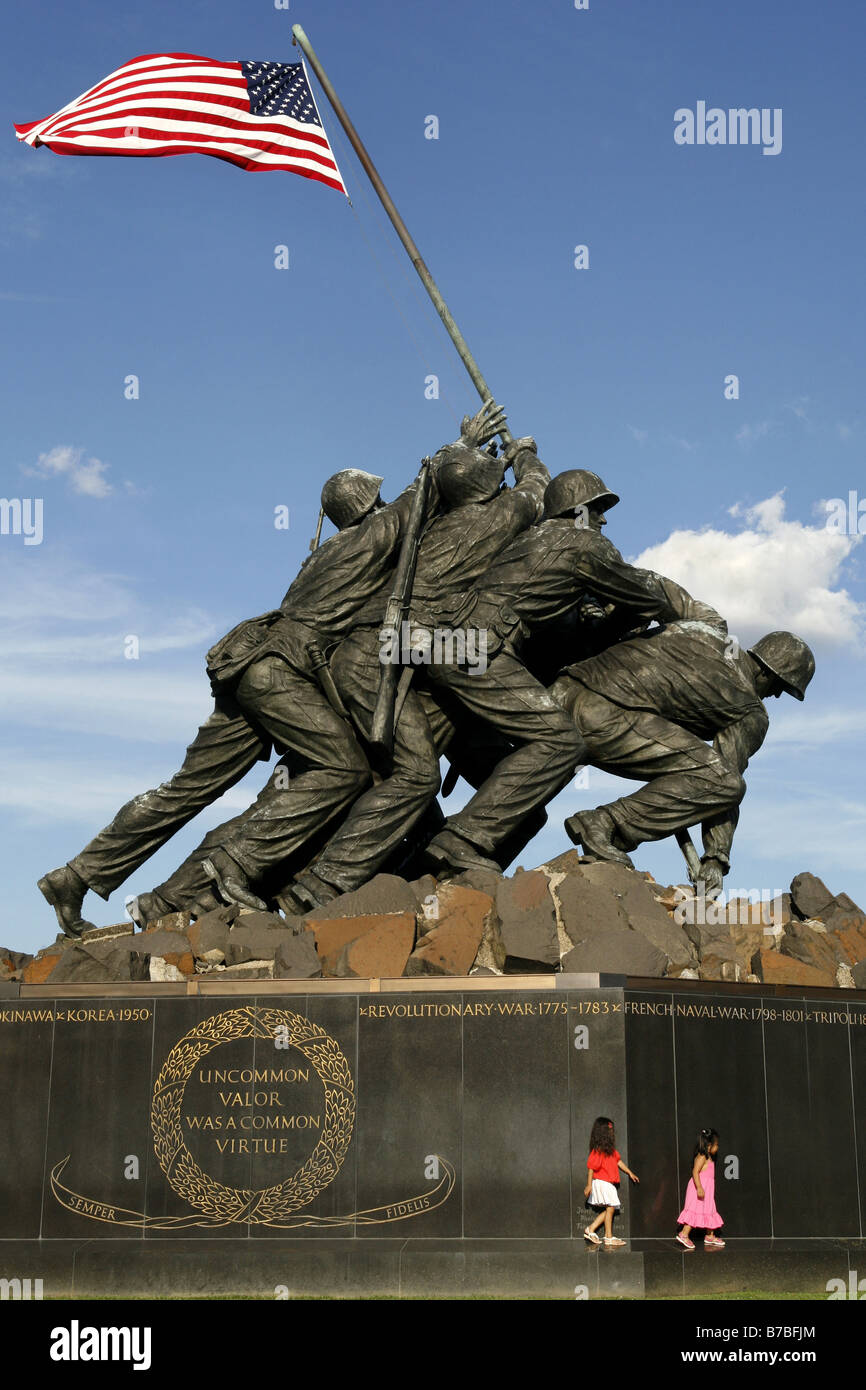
(474, 1107)
(783, 1080)
(411, 1141)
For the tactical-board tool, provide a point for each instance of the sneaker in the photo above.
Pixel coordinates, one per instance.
(685, 1242)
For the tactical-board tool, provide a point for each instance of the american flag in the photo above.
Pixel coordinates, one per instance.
(256, 115)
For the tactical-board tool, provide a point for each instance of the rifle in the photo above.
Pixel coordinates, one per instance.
(691, 856)
(382, 732)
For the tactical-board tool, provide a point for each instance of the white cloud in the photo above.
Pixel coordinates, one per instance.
(190, 631)
(825, 828)
(54, 790)
(805, 728)
(87, 476)
(62, 654)
(640, 435)
(771, 574)
(844, 431)
(126, 703)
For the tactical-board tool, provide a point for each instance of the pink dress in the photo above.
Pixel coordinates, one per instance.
(699, 1213)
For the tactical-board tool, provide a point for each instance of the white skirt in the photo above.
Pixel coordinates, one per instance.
(603, 1194)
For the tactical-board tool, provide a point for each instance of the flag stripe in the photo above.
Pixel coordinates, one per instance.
(250, 161)
(150, 139)
(283, 125)
(260, 116)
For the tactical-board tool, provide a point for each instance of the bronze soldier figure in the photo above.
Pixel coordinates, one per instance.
(542, 575)
(458, 545)
(645, 709)
(263, 674)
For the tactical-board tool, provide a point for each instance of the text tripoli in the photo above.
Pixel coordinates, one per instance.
(76, 1343)
(737, 126)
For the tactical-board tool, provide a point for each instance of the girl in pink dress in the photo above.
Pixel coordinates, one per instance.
(700, 1204)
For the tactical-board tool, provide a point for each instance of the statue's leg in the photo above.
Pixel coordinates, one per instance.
(687, 780)
(475, 751)
(326, 772)
(223, 751)
(549, 747)
(387, 812)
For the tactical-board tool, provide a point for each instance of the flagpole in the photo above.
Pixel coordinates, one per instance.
(300, 38)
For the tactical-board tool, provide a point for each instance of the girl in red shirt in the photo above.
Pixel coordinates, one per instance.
(602, 1180)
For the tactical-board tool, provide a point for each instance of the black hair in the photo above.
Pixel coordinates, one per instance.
(602, 1139)
(706, 1140)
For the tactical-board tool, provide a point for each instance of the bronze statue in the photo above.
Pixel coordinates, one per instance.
(646, 708)
(506, 582)
(264, 677)
(477, 517)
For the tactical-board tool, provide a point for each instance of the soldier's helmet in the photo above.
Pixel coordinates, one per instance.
(349, 495)
(787, 657)
(577, 487)
(467, 474)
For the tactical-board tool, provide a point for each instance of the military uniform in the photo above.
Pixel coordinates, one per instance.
(647, 707)
(265, 694)
(456, 548)
(538, 578)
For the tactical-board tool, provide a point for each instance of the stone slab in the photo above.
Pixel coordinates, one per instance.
(444, 1131)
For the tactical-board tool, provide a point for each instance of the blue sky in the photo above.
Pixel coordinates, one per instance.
(556, 129)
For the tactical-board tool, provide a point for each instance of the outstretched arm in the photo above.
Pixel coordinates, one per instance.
(736, 744)
(610, 578)
(530, 475)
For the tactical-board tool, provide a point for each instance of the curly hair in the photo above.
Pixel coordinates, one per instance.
(602, 1139)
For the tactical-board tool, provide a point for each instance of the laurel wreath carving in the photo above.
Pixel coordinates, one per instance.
(268, 1205)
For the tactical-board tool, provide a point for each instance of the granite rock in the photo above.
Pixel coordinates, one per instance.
(296, 958)
(811, 943)
(809, 895)
(383, 894)
(332, 936)
(380, 952)
(455, 933)
(249, 970)
(774, 968)
(527, 920)
(80, 966)
(12, 963)
(208, 936)
(616, 951)
(257, 941)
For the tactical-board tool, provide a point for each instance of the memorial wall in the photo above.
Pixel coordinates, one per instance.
(166, 1143)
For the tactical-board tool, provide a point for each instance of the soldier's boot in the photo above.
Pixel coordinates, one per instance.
(65, 891)
(231, 881)
(594, 831)
(448, 853)
(306, 892)
(204, 903)
(147, 908)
